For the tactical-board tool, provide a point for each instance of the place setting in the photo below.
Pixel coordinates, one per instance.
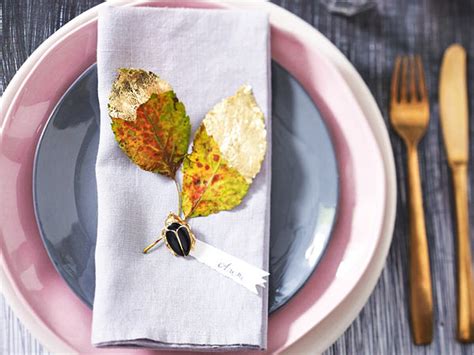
(213, 176)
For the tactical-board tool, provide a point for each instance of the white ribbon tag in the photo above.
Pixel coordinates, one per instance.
(234, 268)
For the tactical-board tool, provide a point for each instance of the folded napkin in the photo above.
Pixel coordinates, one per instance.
(159, 300)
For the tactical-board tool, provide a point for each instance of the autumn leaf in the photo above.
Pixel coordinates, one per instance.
(210, 185)
(228, 151)
(157, 140)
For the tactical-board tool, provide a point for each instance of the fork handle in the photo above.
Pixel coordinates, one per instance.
(421, 299)
(465, 282)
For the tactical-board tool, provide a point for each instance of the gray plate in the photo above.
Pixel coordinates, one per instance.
(304, 186)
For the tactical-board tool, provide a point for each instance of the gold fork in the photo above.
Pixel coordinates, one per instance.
(409, 116)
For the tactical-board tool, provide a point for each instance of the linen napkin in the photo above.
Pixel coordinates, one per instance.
(159, 300)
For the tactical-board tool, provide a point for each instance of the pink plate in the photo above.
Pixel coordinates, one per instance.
(363, 189)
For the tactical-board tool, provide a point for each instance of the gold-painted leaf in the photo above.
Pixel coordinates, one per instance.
(131, 88)
(238, 126)
(210, 185)
(157, 140)
(228, 151)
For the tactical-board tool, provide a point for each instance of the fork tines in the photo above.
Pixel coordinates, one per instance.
(414, 67)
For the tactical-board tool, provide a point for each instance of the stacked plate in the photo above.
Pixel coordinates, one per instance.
(324, 265)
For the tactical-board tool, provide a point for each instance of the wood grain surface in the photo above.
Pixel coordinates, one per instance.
(371, 41)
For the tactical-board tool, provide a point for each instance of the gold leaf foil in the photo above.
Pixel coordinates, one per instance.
(132, 88)
(238, 126)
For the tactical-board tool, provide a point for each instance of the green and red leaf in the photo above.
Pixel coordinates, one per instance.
(157, 140)
(210, 185)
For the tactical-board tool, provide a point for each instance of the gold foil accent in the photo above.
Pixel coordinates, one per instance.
(238, 126)
(132, 88)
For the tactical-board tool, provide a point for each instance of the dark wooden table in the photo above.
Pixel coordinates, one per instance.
(371, 41)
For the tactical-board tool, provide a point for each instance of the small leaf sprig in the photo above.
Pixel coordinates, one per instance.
(152, 128)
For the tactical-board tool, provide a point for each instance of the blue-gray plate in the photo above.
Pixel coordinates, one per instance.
(304, 194)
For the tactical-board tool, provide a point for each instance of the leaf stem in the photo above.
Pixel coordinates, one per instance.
(180, 202)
